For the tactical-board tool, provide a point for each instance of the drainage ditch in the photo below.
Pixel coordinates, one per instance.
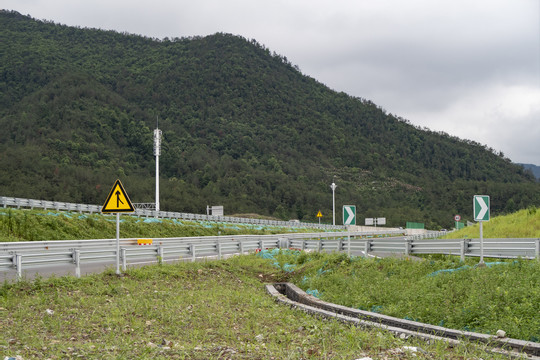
(291, 295)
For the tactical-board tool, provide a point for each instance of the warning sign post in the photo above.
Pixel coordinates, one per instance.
(117, 202)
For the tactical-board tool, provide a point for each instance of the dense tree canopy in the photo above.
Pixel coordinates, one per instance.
(242, 128)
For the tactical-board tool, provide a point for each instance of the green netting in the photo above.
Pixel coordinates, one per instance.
(465, 267)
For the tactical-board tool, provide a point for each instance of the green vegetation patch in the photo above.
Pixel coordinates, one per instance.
(445, 292)
(33, 225)
(207, 310)
(522, 224)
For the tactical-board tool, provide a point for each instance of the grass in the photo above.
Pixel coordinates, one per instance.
(440, 290)
(522, 224)
(208, 310)
(36, 225)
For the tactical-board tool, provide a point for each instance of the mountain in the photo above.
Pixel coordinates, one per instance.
(535, 169)
(242, 128)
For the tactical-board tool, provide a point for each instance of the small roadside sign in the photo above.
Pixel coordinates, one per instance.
(118, 200)
(457, 217)
(319, 214)
(481, 207)
(349, 214)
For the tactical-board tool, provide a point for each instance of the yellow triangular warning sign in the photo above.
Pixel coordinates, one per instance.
(319, 214)
(118, 200)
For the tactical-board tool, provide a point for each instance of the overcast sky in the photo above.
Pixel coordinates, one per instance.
(470, 68)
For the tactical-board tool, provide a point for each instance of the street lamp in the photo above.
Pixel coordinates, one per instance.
(333, 187)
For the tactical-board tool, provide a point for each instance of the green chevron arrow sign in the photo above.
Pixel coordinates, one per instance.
(349, 215)
(481, 207)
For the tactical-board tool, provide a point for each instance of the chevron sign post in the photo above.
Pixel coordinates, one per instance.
(349, 215)
(481, 214)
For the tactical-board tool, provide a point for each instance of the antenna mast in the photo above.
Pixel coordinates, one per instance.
(157, 152)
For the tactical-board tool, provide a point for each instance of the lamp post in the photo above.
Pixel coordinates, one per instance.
(333, 187)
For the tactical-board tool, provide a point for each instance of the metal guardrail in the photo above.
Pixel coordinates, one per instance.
(495, 248)
(83, 208)
(429, 234)
(33, 254)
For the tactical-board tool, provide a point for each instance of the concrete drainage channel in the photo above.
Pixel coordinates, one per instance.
(290, 294)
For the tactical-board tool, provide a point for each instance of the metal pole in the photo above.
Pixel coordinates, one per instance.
(367, 248)
(77, 261)
(333, 187)
(117, 243)
(463, 250)
(18, 266)
(349, 244)
(481, 243)
(123, 254)
(192, 251)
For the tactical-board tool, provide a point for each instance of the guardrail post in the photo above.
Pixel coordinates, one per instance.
(538, 249)
(77, 261)
(367, 247)
(218, 247)
(464, 249)
(192, 251)
(261, 245)
(320, 245)
(17, 261)
(123, 256)
(160, 254)
(349, 244)
(241, 247)
(303, 247)
(408, 247)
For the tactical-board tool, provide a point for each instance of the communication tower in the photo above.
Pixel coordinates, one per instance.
(157, 152)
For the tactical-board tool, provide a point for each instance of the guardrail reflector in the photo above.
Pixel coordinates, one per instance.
(144, 241)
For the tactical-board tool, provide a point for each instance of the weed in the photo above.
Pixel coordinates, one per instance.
(205, 310)
(504, 295)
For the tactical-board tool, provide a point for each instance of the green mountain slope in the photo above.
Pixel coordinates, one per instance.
(242, 128)
(535, 169)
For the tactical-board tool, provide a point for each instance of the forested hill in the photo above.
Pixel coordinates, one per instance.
(535, 169)
(242, 128)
